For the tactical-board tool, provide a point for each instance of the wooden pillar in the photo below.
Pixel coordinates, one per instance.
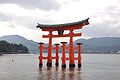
(49, 61)
(79, 54)
(63, 55)
(71, 50)
(40, 57)
(57, 57)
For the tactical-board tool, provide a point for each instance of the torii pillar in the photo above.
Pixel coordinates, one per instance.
(57, 56)
(49, 62)
(79, 54)
(40, 57)
(63, 55)
(71, 50)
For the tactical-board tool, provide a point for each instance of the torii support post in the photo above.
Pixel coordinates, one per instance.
(49, 62)
(63, 55)
(40, 57)
(57, 57)
(71, 50)
(79, 54)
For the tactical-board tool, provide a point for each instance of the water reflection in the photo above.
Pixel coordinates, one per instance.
(71, 74)
(63, 77)
(79, 74)
(49, 73)
(57, 73)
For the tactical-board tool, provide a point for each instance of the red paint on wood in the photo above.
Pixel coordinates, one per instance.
(63, 53)
(50, 48)
(57, 57)
(79, 52)
(40, 57)
(71, 50)
(64, 35)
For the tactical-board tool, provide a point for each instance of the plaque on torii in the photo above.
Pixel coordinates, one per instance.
(60, 28)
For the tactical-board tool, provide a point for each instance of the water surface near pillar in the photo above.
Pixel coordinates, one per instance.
(26, 67)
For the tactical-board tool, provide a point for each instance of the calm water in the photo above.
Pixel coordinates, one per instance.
(94, 67)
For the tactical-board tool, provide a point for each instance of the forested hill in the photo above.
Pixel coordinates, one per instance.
(8, 48)
(92, 45)
(16, 39)
(100, 45)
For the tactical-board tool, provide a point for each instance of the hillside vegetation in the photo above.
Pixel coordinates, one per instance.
(6, 47)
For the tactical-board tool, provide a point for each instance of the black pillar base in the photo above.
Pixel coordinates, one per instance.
(64, 66)
(40, 65)
(79, 65)
(49, 64)
(71, 65)
(56, 64)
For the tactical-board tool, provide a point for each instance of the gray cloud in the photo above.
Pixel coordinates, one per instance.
(108, 27)
(12, 25)
(41, 4)
(25, 21)
(104, 29)
(113, 11)
(100, 30)
(73, 0)
(30, 22)
(4, 17)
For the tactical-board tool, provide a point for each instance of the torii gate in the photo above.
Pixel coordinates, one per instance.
(60, 28)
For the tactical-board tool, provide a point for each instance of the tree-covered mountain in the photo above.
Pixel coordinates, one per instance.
(6, 47)
(92, 45)
(16, 39)
(100, 45)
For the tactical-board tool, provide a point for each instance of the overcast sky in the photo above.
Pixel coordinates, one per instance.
(20, 17)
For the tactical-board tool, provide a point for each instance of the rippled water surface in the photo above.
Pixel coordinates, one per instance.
(94, 67)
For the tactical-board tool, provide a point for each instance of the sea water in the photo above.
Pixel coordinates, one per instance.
(26, 67)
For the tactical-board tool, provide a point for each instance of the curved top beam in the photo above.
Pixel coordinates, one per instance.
(61, 26)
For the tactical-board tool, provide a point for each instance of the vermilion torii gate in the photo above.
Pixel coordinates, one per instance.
(60, 28)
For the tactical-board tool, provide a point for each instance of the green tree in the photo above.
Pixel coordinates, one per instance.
(9, 48)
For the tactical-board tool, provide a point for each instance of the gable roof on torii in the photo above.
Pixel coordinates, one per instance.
(66, 26)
